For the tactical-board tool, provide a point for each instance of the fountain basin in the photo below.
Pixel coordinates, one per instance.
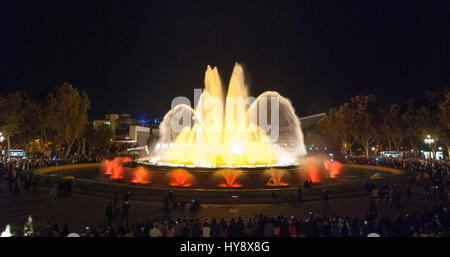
(197, 177)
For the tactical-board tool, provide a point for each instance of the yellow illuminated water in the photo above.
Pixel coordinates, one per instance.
(221, 134)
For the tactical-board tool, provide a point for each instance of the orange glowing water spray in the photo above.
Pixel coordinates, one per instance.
(180, 178)
(312, 169)
(230, 177)
(275, 178)
(140, 176)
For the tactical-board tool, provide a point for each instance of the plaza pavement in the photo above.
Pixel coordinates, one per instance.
(80, 210)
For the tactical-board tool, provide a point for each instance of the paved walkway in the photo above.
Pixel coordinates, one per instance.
(81, 210)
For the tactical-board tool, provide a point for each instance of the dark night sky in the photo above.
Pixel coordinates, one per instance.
(136, 56)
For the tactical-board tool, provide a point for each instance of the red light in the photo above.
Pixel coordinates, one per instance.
(334, 168)
(312, 169)
(140, 176)
(114, 168)
(230, 178)
(180, 178)
(275, 178)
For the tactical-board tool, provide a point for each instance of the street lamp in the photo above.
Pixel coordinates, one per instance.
(429, 141)
(1, 137)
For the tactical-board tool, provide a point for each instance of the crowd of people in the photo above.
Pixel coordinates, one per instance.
(431, 175)
(427, 224)
(16, 172)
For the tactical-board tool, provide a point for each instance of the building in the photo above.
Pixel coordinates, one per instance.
(127, 130)
(142, 132)
(110, 119)
(140, 135)
(309, 121)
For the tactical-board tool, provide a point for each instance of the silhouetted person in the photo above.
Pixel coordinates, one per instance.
(125, 212)
(299, 193)
(274, 196)
(26, 185)
(408, 189)
(171, 195)
(16, 187)
(306, 184)
(115, 200)
(373, 208)
(109, 212)
(127, 196)
(69, 187)
(326, 205)
(10, 183)
(34, 185)
(59, 190)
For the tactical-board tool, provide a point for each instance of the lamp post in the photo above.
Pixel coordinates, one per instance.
(2, 138)
(430, 141)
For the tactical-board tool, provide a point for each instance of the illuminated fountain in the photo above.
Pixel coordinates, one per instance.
(276, 178)
(114, 168)
(226, 132)
(313, 168)
(333, 167)
(141, 176)
(228, 140)
(230, 176)
(180, 178)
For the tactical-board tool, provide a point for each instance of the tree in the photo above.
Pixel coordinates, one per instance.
(444, 117)
(68, 113)
(362, 114)
(428, 115)
(411, 128)
(10, 116)
(17, 119)
(30, 123)
(391, 125)
(336, 125)
(444, 107)
(99, 137)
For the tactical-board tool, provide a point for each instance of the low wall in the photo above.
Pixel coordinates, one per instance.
(143, 192)
(46, 179)
(45, 171)
(375, 168)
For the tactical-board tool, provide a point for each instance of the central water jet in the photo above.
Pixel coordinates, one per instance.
(235, 131)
